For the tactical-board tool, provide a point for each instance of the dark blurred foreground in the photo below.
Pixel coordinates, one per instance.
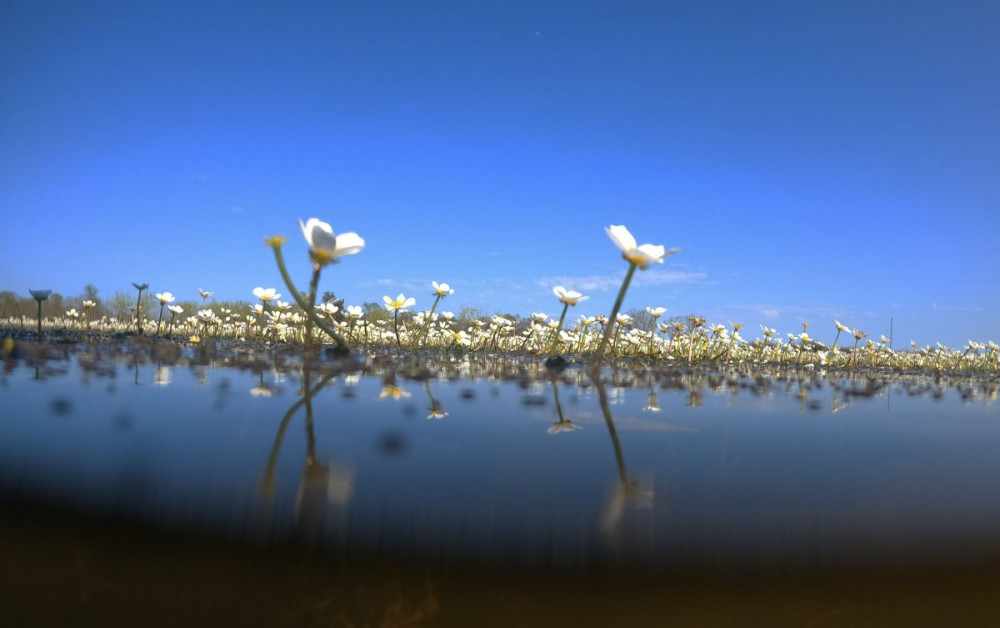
(83, 571)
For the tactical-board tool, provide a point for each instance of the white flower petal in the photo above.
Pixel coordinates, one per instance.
(348, 244)
(621, 237)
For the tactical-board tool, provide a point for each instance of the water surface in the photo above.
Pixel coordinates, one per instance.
(497, 463)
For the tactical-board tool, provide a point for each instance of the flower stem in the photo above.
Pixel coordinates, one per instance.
(138, 312)
(279, 258)
(555, 332)
(313, 286)
(159, 321)
(427, 325)
(599, 354)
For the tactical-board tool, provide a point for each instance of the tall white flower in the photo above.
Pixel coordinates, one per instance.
(164, 297)
(324, 246)
(569, 297)
(640, 255)
(328, 308)
(266, 294)
(399, 303)
(441, 289)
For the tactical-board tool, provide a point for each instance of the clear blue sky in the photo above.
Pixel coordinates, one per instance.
(813, 160)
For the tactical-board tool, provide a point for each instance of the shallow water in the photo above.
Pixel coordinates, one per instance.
(496, 463)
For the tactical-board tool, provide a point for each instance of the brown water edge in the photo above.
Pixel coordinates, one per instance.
(82, 571)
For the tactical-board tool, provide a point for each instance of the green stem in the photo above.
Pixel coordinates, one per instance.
(395, 326)
(39, 318)
(427, 325)
(302, 304)
(555, 332)
(159, 321)
(652, 332)
(313, 286)
(138, 312)
(596, 360)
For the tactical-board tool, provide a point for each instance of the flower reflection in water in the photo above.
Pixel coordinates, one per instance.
(626, 492)
(563, 424)
(436, 411)
(324, 489)
(262, 389)
(652, 402)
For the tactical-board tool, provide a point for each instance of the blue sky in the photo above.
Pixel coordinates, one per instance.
(812, 160)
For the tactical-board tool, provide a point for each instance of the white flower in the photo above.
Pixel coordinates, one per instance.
(569, 297)
(328, 308)
(324, 246)
(205, 293)
(176, 309)
(656, 312)
(442, 289)
(636, 254)
(399, 303)
(265, 295)
(355, 311)
(165, 297)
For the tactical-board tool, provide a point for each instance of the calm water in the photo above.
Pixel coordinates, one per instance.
(498, 462)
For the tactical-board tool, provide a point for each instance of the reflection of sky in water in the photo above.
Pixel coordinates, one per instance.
(727, 482)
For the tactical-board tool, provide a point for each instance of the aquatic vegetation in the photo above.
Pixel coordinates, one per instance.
(588, 338)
